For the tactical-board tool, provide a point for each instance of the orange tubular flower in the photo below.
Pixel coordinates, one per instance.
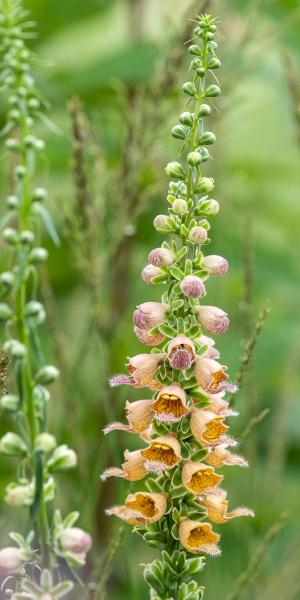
(169, 405)
(198, 537)
(139, 416)
(217, 506)
(220, 457)
(199, 478)
(162, 453)
(133, 469)
(141, 508)
(208, 428)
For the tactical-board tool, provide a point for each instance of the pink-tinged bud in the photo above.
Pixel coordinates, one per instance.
(180, 206)
(211, 376)
(213, 319)
(181, 353)
(192, 286)
(215, 265)
(161, 257)
(75, 540)
(147, 338)
(149, 272)
(150, 314)
(161, 223)
(11, 560)
(197, 235)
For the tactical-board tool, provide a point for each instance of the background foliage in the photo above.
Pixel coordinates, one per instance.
(123, 58)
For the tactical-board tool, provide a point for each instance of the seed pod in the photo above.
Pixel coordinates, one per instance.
(47, 375)
(204, 110)
(207, 138)
(214, 63)
(187, 118)
(195, 50)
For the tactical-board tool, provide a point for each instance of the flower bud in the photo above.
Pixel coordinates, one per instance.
(209, 207)
(194, 159)
(207, 138)
(213, 319)
(195, 50)
(180, 206)
(20, 171)
(62, 458)
(216, 265)
(6, 312)
(12, 559)
(12, 202)
(175, 169)
(179, 132)
(38, 255)
(27, 237)
(10, 402)
(33, 308)
(147, 338)
(161, 257)
(197, 235)
(187, 118)
(10, 235)
(214, 63)
(212, 91)
(196, 64)
(12, 145)
(45, 442)
(15, 349)
(204, 110)
(39, 194)
(7, 278)
(47, 375)
(12, 445)
(189, 88)
(150, 314)
(161, 223)
(205, 185)
(192, 286)
(17, 495)
(149, 272)
(75, 540)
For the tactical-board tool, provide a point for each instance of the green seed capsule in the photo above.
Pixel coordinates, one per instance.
(179, 132)
(10, 402)
(27, 237)
(196, 63)
(195, 50)
(47, 375)
(7, 279)
(189, 88)
(212, 91)
(194, 159)
(6, 312)
(209, 36)
(207, 138)
(187, 118)
(38, 255)
(10, 235)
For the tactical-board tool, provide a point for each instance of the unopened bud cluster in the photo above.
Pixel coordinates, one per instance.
(183, 425)
(22, 313)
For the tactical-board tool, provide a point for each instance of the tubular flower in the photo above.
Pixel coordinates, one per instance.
(133, 469)
(220, 456)
(141, 508)
(170, 404)
(198, 537)
(139, 416)
(162, 453)
(208, 428)
(183, 425)
(199, 478)
(181, 353)
(217, 505)
(211, 376)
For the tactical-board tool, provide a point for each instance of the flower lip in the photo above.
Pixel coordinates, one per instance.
(181, 353)
(217, 508)
(162, 453)
(170, 404)
(197, 537)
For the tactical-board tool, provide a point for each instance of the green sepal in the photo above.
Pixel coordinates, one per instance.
(176, 478)
(176, 304)
(195, 565)
(188, 269)
(181, 253)
(166, 330)
(199, 455)
(180, 325)
(194, 331)
(184, 230)
(195, 392)
(178, 492)
(159, 278)
(160, 428)
(175, 532)
(185, 452)
(153, 580)
(176, 272)
(176, 515)
(153, 486)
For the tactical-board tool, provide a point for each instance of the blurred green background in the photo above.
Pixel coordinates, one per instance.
(124, 59)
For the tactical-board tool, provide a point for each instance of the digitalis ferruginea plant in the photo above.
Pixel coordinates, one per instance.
(183, 425)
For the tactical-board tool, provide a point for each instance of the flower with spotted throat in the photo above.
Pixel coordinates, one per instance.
(169, 405)
(198, 537)
(162, 453)
(141, 508)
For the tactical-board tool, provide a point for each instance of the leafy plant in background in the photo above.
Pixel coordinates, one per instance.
(183, 425)
(52, 544)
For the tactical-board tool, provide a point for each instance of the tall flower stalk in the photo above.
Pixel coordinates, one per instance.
(183, 426)
(52, 542)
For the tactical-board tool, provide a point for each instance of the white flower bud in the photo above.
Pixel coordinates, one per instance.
(75, 540)
(175, 169)
(179, 206)
(161, 257)
(12, 445)
(161, 223)
(62, 458)
(149, 272)
(10, 402)
(17, 495)
(47, 375)
(12, 559)
(45, 442)
(15, 349)
(205, 185)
